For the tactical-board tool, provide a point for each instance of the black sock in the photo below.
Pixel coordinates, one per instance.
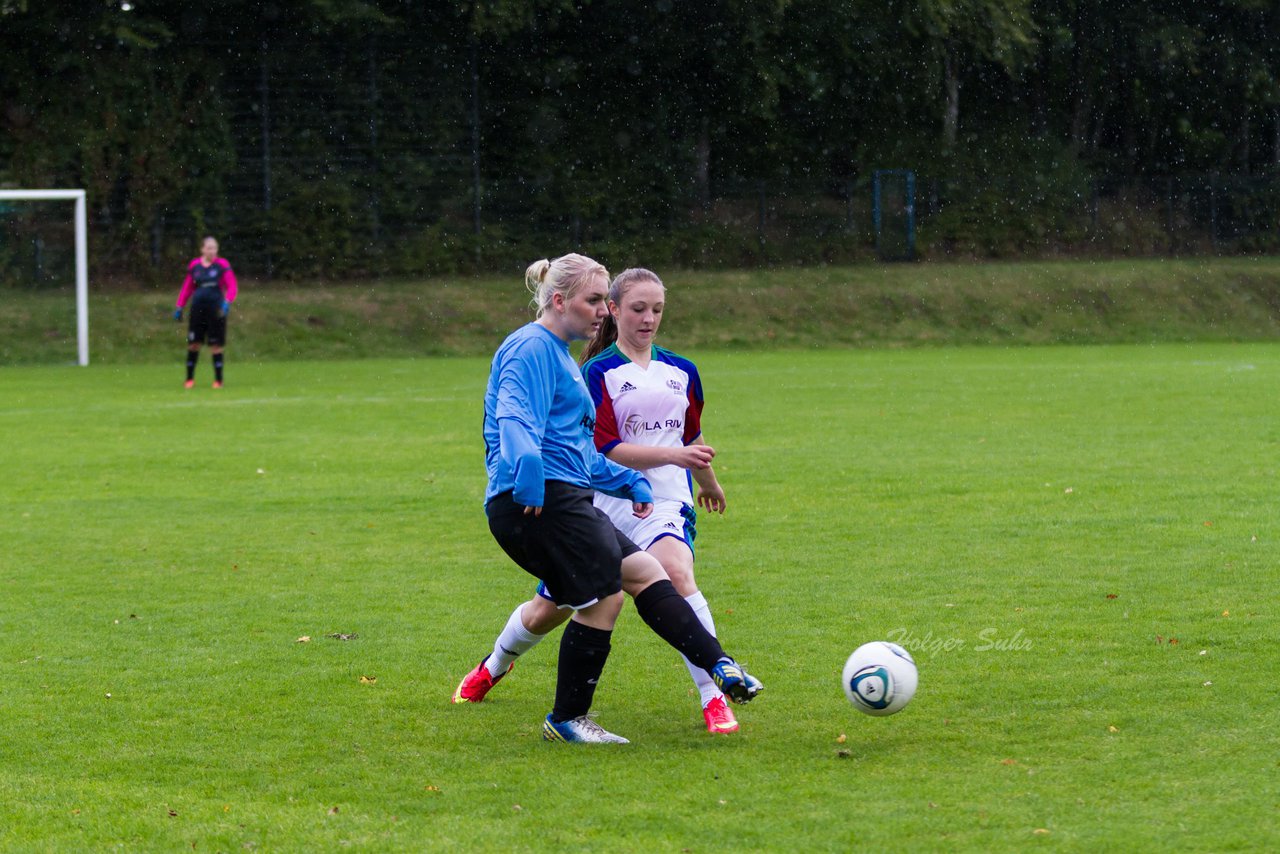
(217, 366)
(672, 619)
(192, 357)
(583, 651)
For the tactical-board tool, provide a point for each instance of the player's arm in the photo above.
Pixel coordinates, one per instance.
(692, 457)
(523, 406)
(230, 287)
(184, 294)
(710, 492)
(622, 482)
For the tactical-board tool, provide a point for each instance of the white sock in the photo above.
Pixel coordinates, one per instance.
(706, 687)
(514, 640)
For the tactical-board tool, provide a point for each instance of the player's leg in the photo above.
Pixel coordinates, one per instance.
(528, 624)
(677, 559)
(198, 329)
(666, 612)
(573, 550)
(217, 342)
(193, 356)
(584, 648)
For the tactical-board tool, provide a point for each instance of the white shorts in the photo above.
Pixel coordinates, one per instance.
(670, 518)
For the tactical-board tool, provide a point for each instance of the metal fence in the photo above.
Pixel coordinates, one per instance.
(439, 227)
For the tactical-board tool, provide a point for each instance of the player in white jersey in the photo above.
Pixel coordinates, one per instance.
(648, 417)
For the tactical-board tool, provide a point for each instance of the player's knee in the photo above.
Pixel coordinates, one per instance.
(540, 616)
(681, 574)
(612, 605)
(603, 614)
(639, 570)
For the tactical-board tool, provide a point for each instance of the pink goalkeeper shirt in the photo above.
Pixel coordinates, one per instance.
(218, 274)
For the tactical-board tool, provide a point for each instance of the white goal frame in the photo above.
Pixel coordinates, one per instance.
(82, 255)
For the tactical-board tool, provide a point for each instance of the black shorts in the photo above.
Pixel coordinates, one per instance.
(572, 547)
(208, 323)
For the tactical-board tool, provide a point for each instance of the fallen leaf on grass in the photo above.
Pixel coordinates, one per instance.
(1113, 595)
(1207, 684)
(304, 639)
(1113, 729)
(843, 754)
(333, 811)
(1040, 831)
(342, 636)
(368, 680)
(1226, 613)
(841, 738)
(432, 788)
(1008, 762)
(173, 813)
(516, 807)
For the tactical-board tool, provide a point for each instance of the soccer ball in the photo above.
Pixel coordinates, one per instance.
(880, 678)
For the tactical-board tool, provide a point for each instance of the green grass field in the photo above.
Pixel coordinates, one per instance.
(1079, 544)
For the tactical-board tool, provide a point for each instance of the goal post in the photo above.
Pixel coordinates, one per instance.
(82, 255)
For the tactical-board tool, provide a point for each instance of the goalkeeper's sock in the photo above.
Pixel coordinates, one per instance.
(193, 356)
(217, 367)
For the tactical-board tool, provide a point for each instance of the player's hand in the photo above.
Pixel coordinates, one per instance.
(533, 511)
(712, 500)
(177, 314)
(641, 510)
(694, 456)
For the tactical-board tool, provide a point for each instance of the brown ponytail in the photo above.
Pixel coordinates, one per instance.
(605, 335)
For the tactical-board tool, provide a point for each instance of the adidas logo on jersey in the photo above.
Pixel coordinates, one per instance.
(626, 387)
(672, 526)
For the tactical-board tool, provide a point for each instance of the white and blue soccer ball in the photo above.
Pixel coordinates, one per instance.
(880, 678)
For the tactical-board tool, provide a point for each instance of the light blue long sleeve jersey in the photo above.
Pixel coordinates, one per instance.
(538, 424)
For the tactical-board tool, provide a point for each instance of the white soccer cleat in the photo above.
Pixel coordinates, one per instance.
(579, 730)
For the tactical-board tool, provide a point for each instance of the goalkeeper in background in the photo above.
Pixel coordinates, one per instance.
(211, 287)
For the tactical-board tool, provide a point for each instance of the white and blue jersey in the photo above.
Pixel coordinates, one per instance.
(658, 406)
(539, 422)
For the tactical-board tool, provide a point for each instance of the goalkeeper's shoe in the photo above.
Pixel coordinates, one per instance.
(477, 683)
(579, 730)
(217, 383)
(189, 384)
(736, 683)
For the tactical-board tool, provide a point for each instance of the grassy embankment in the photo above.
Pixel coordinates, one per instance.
(1125, 301)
